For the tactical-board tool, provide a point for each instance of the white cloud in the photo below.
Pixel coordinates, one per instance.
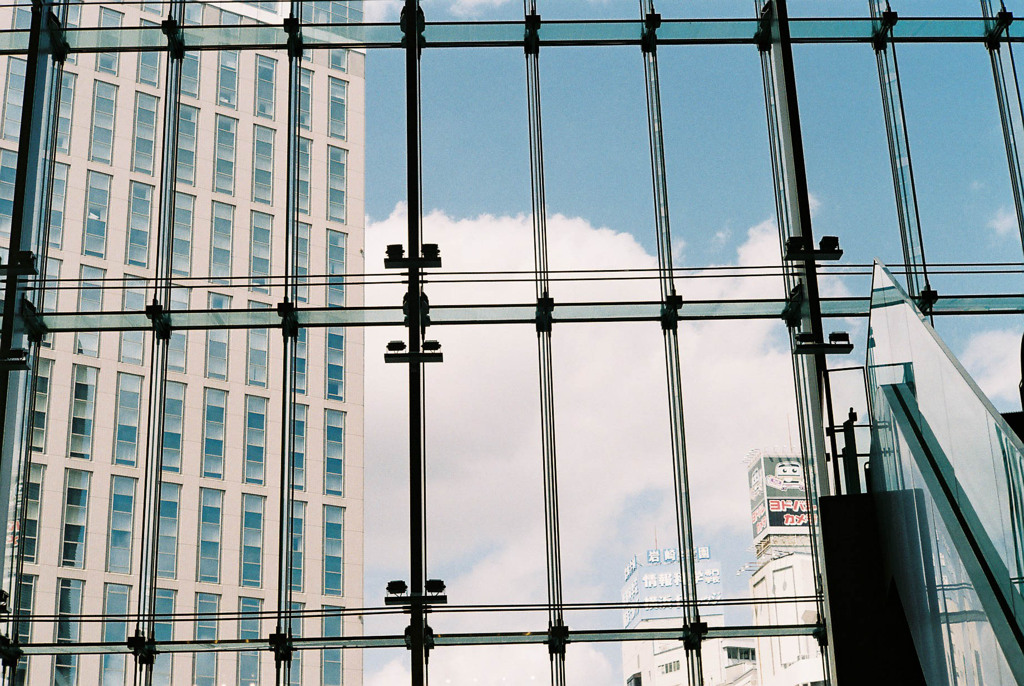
(485, 502)
(992, 358)
(1003, 222)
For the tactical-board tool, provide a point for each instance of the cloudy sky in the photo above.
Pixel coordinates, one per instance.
(485, 508)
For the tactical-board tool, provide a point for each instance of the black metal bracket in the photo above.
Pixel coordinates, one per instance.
(289, 322)
(792, 312)
(763, 35)
(14, 359)
(161, 320)
(172, 30)
(430, 257)
(291, 27)
(58, 43)
(22, 263)
(649, 36)
(879, 41)
(531, 38)
(800, 248)
(10, 653)
(1003, 20)
(406, 358)
(838, 344)
(142, 648)
(403, 23)
(820, 634)
(34, 327)
(410, 600)
(545, 314)
(424, 310)
(693, 634)
(281, 645)
(558, 637)
(670, 312)
(926, 300)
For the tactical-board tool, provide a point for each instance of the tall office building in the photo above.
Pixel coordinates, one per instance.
(220, 445)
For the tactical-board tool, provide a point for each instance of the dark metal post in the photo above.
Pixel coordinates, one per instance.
(850, 470)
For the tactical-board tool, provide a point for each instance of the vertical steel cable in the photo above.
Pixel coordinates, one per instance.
(670, 331)
(899, 153)
(1011, 116)
(552, 537)
(286, 527)
(153, 477)
(800, 276)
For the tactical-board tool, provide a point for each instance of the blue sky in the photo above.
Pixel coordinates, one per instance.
(476, 190)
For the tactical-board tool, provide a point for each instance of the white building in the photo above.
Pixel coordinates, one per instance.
(219, 500)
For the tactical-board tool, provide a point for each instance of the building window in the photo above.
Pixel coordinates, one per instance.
(337, 158)
(265, 73)
(299, 366)
(669, 667)
(76, 511)
(42, 404)
(249, 628)
(69, 607)
(259, 251)
(104, 104)
(97, 206)
(338, 126)
(149, 62)
(8, 172)
(332, 12)
(133, 342)
(339, 59)
(223, 224)
(298, 543)
(263, 165)
(299, 450)
(178, 345)
(181, 256)
(252, 540)
(205, 663)
(107, 61)
(90, 299)
(140, 212)
(33, 505)
(305, 98)
(330, 659)
(13, 98)
(163, 630)
(227, 78)
(334, 549)
(295, 673)
(83, 410)
(336, 242)
(144, 143)
(122, 511)
(255, 438)
(188, 125)
(211, 504)
(58, 203)
(49, 289)
(304, 152)
(213, 432)
(129, 405)
(335, 363)
(301, 262)
(115, 630)
(217, 342)
(334, 452)
(65, 112)
(224, 161)
(26, 601)
(174, 408)
(190, 68)
(167, 534)
(256, 362)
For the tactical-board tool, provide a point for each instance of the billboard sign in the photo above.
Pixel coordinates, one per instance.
(778, 498)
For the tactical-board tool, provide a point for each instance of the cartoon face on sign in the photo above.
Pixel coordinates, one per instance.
(789, 473)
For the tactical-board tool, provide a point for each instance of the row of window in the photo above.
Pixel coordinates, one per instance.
(77, 487)
(127, 433)
(116, 606)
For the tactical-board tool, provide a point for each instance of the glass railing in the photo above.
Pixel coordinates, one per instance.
(948, 473)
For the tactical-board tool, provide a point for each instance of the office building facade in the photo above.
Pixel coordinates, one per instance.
(219, 434)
